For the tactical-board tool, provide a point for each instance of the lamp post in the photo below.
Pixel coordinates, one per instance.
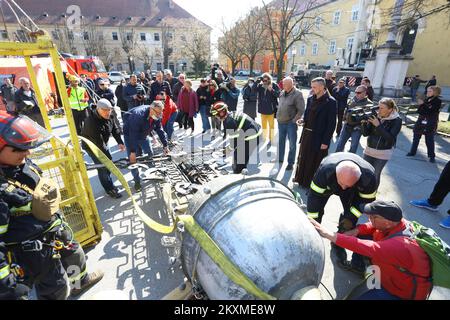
(293, 52)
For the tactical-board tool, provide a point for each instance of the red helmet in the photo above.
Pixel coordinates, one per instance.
(21, 132)
(219, 109)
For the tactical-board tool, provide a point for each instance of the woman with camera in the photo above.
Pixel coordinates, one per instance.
(427, 122)
(382, 131)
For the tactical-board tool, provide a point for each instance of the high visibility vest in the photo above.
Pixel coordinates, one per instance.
(76, 95)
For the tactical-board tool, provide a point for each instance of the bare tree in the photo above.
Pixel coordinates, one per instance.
(167, 42)
(128, 39)
(195, 45)
(147, 55)
(288, 22)
(413, 11)
(230, 45)
(253, 35)
(64, 39)
(23, 33)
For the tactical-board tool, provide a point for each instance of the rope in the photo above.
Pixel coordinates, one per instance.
(25, 14)
(17, 17)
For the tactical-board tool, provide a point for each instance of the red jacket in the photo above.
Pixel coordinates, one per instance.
(388, 255)
(169, 108)
(192, 107)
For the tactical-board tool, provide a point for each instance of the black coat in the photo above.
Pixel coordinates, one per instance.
(99, 130)
(384, 136)
(325, 119)
(341, 97)
(157, 87)
(428, 116)
(28, 106)
(106, 94)
(120, 100)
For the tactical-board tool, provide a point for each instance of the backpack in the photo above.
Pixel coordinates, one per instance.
(437, 250)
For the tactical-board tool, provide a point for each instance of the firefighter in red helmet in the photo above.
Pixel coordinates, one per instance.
(36, 245)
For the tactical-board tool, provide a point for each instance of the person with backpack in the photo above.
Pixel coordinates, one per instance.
(404, 266)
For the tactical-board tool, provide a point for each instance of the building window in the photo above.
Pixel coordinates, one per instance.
(332, 47)
(143, 37)
(317, 22)
(183, 38)
(100, 36)
(4, 34)
(55, 35)
(272, 65)
(355, 13)
(350, 43)
(156, 36)
(337, 18)
(303, 50)
(315, 49)
(85, 35)
(115, 36)
(159, 66)
(170, 35)
(129, 36)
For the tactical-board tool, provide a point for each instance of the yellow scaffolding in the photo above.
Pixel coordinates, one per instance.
(59, 161)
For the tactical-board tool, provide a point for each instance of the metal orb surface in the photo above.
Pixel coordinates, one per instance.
(260, 227)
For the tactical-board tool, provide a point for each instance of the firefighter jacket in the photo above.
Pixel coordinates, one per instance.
(17, 224)
(241, 126)
(325, 184)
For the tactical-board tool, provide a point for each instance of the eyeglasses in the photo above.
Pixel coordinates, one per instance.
(359, 92)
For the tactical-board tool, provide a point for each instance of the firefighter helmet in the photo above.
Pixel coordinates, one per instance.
(21, 132)
(219, 109)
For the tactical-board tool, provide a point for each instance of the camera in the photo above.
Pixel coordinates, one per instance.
(359, 114)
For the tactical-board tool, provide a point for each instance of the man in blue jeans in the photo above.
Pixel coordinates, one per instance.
(290, 109)
(351, 128)
(139, 122)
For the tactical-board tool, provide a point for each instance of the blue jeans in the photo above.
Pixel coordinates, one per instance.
(205, 118)
(168, 128)
(103, 174)
(289, 131)
(413, 94)
(144, 147)
(377, 294)
(346, 133)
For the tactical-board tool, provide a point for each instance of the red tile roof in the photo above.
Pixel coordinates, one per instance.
(143, 13)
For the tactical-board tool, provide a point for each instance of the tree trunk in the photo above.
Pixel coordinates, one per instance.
(252, 62)
(130, 64)
(280, 65)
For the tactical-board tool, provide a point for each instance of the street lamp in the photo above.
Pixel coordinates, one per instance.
(294, 52)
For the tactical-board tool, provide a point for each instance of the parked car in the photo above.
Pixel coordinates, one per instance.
(243, 73)
(115, 76)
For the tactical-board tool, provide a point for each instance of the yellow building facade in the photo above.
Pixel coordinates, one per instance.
(350, 29)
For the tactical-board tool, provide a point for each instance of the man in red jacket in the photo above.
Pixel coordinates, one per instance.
(404, 265)
(170, 114)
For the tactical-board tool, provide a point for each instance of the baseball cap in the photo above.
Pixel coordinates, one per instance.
(387, 209)
(104, 104)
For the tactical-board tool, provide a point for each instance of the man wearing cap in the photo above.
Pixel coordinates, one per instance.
(353, 179)
(37, 248)
(404, 266)
(79, 102)
(99, 126)
(138, 125)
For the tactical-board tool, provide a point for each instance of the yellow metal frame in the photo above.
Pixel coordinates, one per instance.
(68, 161)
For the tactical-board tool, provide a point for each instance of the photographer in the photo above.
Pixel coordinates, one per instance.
(230, 95)
(268, 93)
(218, 74)
(352, 127)
(134, 93)
(427, 122)
(382, 131)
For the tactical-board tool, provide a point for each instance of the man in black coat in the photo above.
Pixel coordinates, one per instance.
(105, 91)
(98, 127)
(26, 102)
(340, 93)
(159, 86)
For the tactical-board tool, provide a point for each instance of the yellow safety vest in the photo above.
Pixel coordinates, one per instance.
(76, 95)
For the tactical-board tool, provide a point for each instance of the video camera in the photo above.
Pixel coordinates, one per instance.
(359, 114)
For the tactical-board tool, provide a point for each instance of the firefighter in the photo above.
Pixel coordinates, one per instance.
(243, 131)
(36, 245)
(79, 102)
(351, 178)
